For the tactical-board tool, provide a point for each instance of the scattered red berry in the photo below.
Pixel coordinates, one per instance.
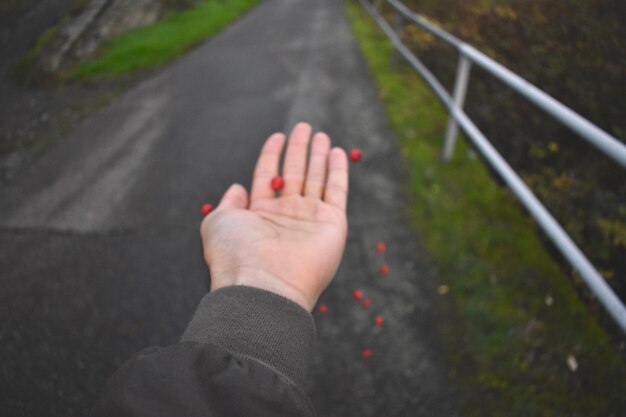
(323, 309)
(384, 269)
(357, 294)
(278, 183)
(367, 302)
(206, 209)
(355, 155)
(378, 321)
(366, 354)
(380, 247)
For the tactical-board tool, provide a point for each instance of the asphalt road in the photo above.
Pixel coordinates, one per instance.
(99, 251)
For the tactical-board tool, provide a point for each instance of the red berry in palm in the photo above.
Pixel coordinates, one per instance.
(206, 209)
(323, 309)
(380, 247)
(367, 302)
(278, 183)
(357, 294)
(366, 354)
(355, 155)
(384, 269)
(378, 321)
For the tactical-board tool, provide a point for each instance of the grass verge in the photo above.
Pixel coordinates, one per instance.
(162, 41)
(519, 340)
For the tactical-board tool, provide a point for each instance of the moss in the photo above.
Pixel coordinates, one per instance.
(507, 347)
(27, 70)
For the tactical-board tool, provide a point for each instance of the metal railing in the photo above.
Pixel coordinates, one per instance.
(469, 55)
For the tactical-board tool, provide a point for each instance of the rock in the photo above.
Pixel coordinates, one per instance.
(121, 16)
(81, 34)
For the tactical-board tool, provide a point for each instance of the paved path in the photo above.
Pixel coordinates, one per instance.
(99, 250)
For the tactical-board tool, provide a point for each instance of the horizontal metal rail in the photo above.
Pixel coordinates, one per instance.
(614, 306)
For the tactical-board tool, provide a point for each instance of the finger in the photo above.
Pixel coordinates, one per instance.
(318, 162)
(336, 192)
(295, 159)
(236, 197)
(267, 168)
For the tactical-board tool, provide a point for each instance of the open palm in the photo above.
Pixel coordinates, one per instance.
(289, 244)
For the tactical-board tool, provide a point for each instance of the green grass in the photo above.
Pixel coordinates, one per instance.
(160, 42)
(507, 348)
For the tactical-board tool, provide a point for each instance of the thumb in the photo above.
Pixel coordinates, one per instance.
(236, 197)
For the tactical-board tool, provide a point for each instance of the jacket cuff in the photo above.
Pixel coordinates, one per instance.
(257, 324)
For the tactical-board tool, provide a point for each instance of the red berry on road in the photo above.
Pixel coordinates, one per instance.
(384, 269)
(380, 247)
(378, 321)
(367, 302)
(366, 354)
(357, 294)
(323, 309)
(278, 183)
(355, 155)
(206, 209)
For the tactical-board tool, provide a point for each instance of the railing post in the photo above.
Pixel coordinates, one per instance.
(460, 88)
(398, 24)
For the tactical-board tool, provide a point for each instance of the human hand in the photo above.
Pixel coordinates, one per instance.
(290, 245)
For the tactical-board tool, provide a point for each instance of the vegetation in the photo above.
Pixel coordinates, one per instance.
(167, 39)
(520, 340)
(575, 51)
